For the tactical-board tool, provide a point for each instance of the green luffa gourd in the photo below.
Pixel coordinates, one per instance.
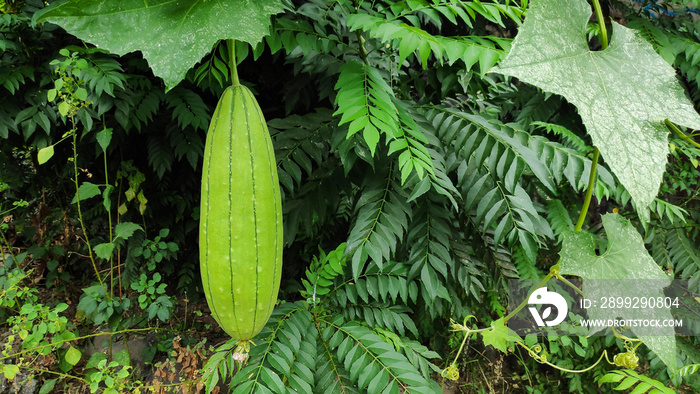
(240, 233)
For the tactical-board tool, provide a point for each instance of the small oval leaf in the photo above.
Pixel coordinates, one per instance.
(81, 94)
(47, 386)
(104, 137)
(63, 108)
(45, 154)
(73, 355)
(10, 371)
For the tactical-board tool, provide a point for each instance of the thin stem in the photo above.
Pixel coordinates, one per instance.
(111, 234)
(126, 342)
(119, 256)
(539, 359)
(566, 281)
(58, 344)
(80, 211)
(111, 257)
(232, 62)
(8, 246)
(589, 190)
(62, 375)
(525, 301)
(601, 21)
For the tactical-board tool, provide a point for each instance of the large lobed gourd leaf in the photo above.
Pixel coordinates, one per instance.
(625, 269)
(622, 93)
(173, 35)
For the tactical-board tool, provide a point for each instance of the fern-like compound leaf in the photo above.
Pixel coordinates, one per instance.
(381, 220)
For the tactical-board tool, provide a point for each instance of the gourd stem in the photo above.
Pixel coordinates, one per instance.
(681, 134)
(601, 21)
(589, 191)
(596, 153)
(524, 303)
(232, 62)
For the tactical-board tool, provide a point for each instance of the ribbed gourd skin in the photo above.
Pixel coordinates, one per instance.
(240, 230)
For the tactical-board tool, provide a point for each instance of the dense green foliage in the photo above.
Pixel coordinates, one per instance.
(427, 180)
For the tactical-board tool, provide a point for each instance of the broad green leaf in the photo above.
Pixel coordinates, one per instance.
(73, 356)
(48, 386)
(625, 260)
(10, 371)
(125, 230)
(106, 200)
(499, 335)
(95, 360)
(172, 35)
(44, 154)
(122, 357)
(622, 93)
(81, 94)
(85, 191)
(63, 108)
(103, 138)
(104, 250)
